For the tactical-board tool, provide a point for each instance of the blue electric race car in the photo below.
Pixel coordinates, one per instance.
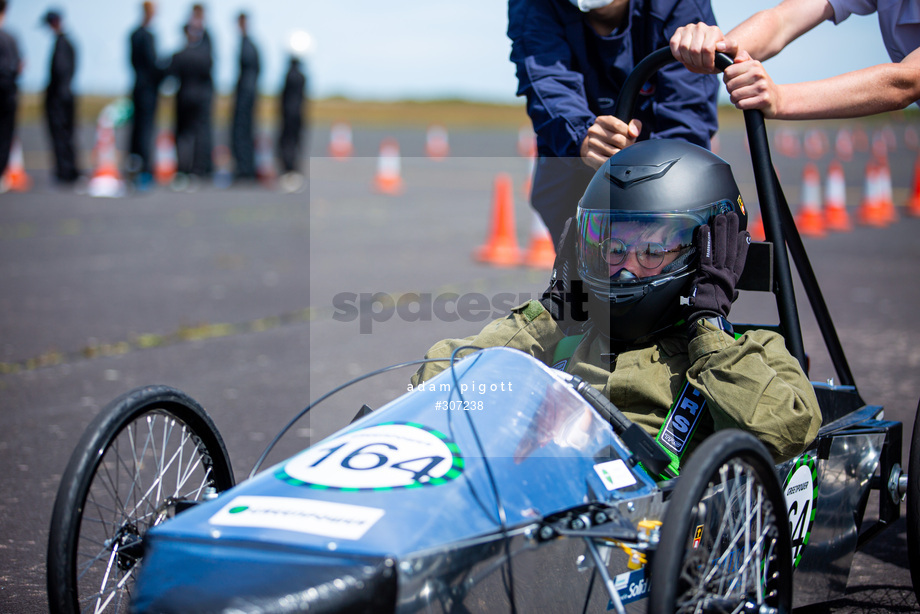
(432, 504)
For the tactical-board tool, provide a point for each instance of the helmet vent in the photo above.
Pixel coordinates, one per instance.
(626, 176)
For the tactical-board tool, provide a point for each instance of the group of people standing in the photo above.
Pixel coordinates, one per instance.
(59, 98)
(191, 67)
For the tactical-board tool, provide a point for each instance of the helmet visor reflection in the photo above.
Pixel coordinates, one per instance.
(661, 241)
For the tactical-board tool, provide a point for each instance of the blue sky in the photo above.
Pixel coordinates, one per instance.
(371, 49)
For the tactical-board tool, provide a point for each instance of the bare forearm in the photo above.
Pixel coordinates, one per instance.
(882, 88)
(767, 32)
(756, 35)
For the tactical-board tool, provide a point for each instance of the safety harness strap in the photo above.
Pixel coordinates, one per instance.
(680, 424)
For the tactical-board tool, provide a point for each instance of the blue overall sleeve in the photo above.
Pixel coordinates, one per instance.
(555, 92)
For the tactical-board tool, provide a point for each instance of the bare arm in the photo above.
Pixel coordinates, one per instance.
(767, 32)
(877, 89)
(762, 35)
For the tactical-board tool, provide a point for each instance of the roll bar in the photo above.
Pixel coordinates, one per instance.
(779, 225)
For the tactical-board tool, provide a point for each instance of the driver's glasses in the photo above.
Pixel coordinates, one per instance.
(649, 254)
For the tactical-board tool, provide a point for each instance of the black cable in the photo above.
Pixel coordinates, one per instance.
(502, 519)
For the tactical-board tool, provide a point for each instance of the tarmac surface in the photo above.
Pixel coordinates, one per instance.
(236, 296)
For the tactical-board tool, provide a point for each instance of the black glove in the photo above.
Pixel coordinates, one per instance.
(723, 251)
(565, 298)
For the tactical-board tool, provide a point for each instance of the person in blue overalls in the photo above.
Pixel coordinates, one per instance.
(572, 57)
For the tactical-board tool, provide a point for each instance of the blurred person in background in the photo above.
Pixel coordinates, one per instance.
(876, 89)
(147, 77)
(572, 58)
(60, 103)
(192, 67)
(200, 31)
(293, 96)
(10, 67)
(242, 134)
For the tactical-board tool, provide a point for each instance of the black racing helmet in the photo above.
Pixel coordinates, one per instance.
(636, 225)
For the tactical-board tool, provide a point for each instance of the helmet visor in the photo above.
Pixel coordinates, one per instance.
(629, 247)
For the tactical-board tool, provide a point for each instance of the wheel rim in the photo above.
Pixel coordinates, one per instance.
(155, 461)
(730, 549)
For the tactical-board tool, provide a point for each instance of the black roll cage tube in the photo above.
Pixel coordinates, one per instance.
(779, 225)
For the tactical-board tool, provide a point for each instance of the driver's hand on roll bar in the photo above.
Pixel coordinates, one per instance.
(695, 46)
(607, 136)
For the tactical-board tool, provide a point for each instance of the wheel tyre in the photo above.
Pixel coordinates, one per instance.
(913, 505)
(705, 497)
(193, 456)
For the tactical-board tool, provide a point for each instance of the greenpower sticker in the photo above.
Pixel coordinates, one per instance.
(324, 518)
(801, 495)
(385, 456)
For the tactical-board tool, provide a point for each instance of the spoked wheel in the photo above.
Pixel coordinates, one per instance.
(143, 457)
(725, 538)
(913, 505)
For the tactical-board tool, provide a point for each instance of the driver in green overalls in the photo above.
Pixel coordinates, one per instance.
(643, 283)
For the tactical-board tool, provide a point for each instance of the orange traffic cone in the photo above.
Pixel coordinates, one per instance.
(340, 145)
(885, 192)
(815, 144)
(756, 230)
(388, 179)
(106, 180)
(913, 203)
(436, 146)
(870, 211)
(165, 164)
(15, 177)
(501, 246)
(527, 142)
(787, 142)
(540, 253)
(843, 144)
(835, 198)
(809, 220)
(860, 139)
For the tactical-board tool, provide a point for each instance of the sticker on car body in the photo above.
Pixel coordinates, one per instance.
(801, 495)
(385, 456)
(631, 586)
(324, 518)
(615, 474)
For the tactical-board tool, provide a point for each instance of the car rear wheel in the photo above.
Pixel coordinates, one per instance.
(725, 543)
(913, 505)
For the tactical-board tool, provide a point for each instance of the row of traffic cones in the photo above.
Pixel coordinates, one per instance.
(501, 247)
(341, 146)
(876, 208)
(815, 144)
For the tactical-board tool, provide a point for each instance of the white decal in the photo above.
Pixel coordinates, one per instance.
(325, 518)
(631, 586)
(799, 491)
(615, 474)
(384, 456)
